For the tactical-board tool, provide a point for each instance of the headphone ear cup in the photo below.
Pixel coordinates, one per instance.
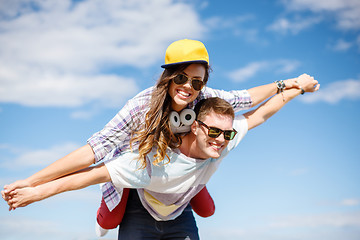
(187, 117)
(174, 119)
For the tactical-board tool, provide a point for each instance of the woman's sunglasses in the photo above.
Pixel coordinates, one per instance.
(195, 83)
(214, 132)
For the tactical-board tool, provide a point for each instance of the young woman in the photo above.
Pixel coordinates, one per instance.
(144, 123)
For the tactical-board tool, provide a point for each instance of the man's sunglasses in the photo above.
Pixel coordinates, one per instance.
(181, 79)
(214, 132)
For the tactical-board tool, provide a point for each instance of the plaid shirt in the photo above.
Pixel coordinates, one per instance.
(114, 138)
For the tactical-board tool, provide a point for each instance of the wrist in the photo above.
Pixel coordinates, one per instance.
(39, 193)
(280, 86)
(30, 182)
(42, 192)
(292, 93)
(302, 91)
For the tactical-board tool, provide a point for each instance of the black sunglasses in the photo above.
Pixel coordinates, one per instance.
(195, 83)
(214, 132)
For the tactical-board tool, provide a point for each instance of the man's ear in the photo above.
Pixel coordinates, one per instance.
(194, 127)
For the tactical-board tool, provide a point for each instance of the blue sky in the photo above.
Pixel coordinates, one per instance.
(67, 67)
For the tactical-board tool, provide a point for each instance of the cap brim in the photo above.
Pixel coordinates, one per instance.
(170, 65)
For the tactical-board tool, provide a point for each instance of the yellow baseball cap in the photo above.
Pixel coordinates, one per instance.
(185, 51)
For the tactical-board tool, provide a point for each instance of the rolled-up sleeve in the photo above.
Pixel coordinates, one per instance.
(117, 133)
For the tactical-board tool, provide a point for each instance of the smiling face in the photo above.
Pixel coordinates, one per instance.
(207, 147)
(184, 94)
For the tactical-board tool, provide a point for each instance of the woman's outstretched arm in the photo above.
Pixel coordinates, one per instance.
(260, 93)
(274, 104)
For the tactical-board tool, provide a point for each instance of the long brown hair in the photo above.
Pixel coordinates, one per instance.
(157, 132)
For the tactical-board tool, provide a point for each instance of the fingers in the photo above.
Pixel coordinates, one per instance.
(10, 194)
(308, 83)
(9, 188)
(13, 202)
(11, 207)
(296, 84)
(16, 185)
(10, 198)
(304, 75)
(6, 195)
(20, 198)
(304, 81)
(314, 85)
(291, 83)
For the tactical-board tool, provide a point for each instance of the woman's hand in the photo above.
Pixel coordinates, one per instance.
(308, 83)
(291, 83)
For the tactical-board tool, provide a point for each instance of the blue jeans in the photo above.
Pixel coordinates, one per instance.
(138, 224)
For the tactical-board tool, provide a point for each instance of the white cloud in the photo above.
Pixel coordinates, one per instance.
(238, 26)
(286, 66)
(350, 202)
(228, 23)
(332, 226)
(346, 12)
(342, 45)
(9, 227)
(284, 25)
(250, 70)
(335, 92)
(38, 158)
(279, 66)
(53, 89)
(337, 220)
(56, 53)
(83, 114)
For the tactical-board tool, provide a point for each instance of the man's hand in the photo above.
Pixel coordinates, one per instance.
(22, 197)
(7, 193)
(11, 187)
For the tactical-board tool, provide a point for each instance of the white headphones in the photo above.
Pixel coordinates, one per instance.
(181, 123)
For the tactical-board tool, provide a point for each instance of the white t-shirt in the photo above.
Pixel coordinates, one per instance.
(165, 190)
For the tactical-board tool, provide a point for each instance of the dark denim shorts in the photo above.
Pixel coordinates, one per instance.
(138, 224)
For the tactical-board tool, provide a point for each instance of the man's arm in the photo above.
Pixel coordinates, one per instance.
(274, 104)
(84, 178)
(118, 128)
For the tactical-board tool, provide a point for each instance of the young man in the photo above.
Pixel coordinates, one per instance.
(165, 190)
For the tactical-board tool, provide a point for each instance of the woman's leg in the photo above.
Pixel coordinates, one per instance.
(110, 220)
(203, 204)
